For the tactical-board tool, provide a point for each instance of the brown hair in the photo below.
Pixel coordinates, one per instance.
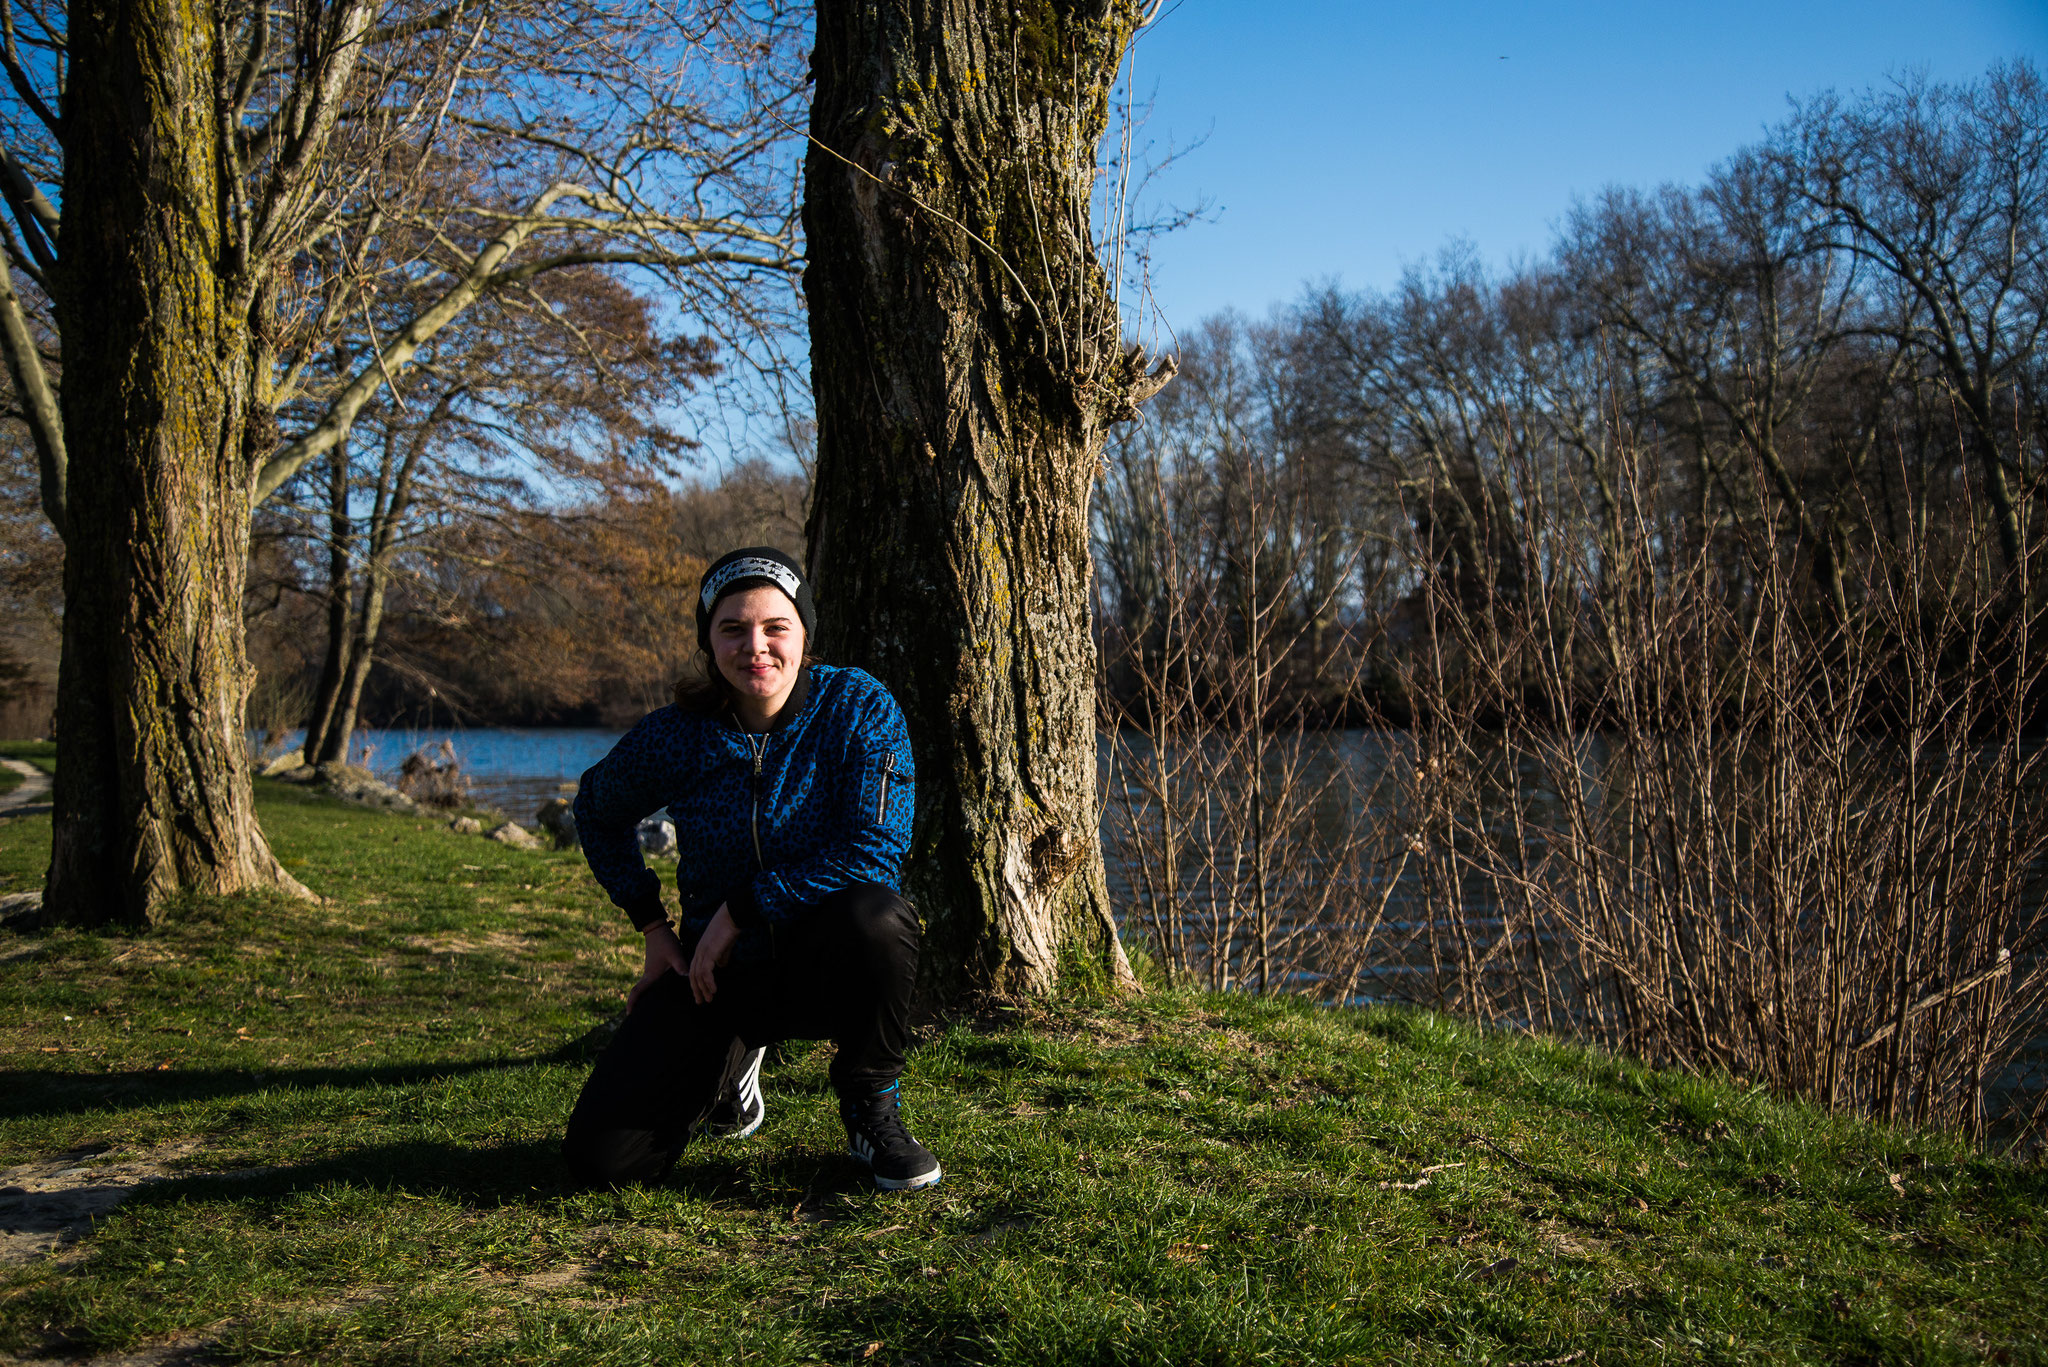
(703, 689)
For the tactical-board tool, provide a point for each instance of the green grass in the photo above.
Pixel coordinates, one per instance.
(358, 1104)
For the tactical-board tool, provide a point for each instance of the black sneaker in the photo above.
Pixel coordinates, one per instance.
(742, 1109)
(875, 1135)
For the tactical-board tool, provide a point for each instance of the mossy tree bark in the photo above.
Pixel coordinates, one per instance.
(152, 794)
(966, 359)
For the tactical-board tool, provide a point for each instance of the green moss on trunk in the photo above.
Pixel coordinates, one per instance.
(153, 795)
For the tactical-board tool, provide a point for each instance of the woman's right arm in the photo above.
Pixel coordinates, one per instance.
(642, 773)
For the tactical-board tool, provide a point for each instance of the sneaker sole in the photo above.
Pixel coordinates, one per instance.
(759, 1120)
(923, 1179)
(926, 1179)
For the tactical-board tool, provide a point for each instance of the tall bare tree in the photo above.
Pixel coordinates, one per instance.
(504, 405)
(1944, 188)
(967, 358)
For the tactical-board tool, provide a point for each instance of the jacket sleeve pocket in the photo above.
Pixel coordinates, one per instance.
(885, 787)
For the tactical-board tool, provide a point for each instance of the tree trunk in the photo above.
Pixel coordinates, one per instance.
(387, 514)
(340, 585)
(152, 792)
(966, 357)
(362, 652)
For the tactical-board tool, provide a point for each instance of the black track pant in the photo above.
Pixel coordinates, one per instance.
(844, 973)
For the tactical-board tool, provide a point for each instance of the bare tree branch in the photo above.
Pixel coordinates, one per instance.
(32, 210)
(482, 275)
(17, 74)
(45, 424)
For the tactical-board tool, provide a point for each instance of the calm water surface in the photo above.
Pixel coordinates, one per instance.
(512, 770)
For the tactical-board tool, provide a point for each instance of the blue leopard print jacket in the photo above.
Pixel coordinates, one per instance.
(765, 824)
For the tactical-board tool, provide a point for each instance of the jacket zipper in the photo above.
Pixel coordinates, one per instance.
(757, 746)
(882, 803)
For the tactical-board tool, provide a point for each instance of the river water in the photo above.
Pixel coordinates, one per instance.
(514, 770)
(517, 770)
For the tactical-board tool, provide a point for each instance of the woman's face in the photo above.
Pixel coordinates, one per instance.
(757, 641)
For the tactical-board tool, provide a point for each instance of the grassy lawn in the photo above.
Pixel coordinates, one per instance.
(337, 1124)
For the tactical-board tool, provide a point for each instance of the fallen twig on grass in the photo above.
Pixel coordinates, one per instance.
(1524, 1165)
(1421, 1180)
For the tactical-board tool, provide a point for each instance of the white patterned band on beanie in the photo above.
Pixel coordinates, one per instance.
(749, 567)
(753, 565)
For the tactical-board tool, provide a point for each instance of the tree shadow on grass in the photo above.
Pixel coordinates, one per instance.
(515, 1177)
(482, 1176)
(29, 1092)
(490, 1176)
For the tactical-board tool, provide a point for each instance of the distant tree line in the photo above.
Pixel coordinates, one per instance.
(1826, 354)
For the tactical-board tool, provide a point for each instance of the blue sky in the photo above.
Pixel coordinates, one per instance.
(1346, 141)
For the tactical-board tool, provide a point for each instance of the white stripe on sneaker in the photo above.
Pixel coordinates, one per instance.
(749, 1085)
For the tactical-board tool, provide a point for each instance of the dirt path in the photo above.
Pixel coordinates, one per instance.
(175, 1351)
(32, 796)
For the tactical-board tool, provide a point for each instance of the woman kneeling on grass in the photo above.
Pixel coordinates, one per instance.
(790, 787)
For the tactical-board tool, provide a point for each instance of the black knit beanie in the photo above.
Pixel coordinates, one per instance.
(747, 568)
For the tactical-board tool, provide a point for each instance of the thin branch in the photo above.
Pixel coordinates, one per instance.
(483, 275)
(17, 74)
(32, 383)
(35, 213)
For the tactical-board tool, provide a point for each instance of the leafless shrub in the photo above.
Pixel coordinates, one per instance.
(1665, 789)
(1245, 837)
(1726, 834)
(1701, 563)
(435, 778)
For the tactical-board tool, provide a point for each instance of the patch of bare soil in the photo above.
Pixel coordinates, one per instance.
(1110, 1032)
(175, 1351)
(500, 941)
(143, 952)
(1570, 1243)
(48, 1205)
(566, 1285)
(555, 1281)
